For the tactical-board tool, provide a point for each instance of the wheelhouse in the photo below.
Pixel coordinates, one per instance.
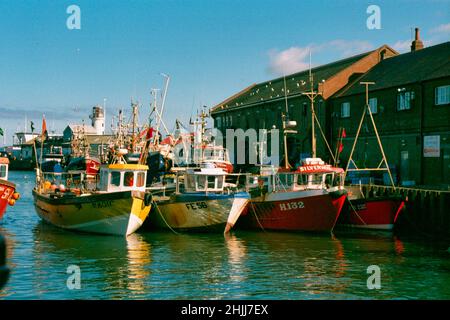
(314, 174)
(204, 180)
(123, 177)
(4, 162)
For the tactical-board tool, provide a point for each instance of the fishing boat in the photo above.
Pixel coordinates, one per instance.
(309, 198)
(114, 202)
(8, 194)
(202, 201)
(372, 212)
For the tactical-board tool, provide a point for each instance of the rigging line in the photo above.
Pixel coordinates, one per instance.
(323, 136)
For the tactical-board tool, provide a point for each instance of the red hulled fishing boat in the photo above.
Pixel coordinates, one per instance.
(375, 212)
(307, 199)
(8, 196)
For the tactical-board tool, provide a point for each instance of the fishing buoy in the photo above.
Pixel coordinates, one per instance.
(62, 188)
(11, 202)
(47, 185)
(16, 196)
(53, 187)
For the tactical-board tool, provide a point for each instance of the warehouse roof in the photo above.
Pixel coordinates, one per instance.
(422, 65)
(296, 83)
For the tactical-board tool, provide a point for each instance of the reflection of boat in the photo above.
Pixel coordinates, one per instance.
(300, 200)
(206, 203)
(116, 204)
(4, 271)
(8, 196)
(119, 262)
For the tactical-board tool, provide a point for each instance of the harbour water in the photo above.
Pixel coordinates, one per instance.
(244, 265)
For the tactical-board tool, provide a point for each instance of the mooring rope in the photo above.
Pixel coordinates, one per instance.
(256, 216)
(354, 210)
(159, 211)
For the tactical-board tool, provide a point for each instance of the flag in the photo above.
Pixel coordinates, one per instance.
(149, 133)
(344, 134)
(44, 128)
(341, 147)
(1, 132)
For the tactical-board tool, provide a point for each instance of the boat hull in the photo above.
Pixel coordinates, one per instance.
(294, 211)
(192, 212)
(7, 190)
(117, 213)
(373, 214)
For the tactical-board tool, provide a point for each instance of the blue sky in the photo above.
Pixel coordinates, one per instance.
(210, 48)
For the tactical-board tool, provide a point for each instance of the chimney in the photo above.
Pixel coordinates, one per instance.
(417, 44)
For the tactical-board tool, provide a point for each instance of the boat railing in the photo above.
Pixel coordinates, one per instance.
(66, 182)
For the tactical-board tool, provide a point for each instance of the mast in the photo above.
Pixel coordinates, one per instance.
(312, 96)
(134, 106)
(287, 127)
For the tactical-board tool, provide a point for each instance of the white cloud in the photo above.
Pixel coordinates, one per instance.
(348, 48)
(443, 28)
(289, 61)
(296, 59)
(402, 45)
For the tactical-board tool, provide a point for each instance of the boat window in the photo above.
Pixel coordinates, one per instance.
(315, 179)
(129, 179)
(140, 179)
(115, 179)
(286, 179)
(2, 171)
(219, 182)
(301, 180)
(189, 181)
(329, 180)
(201, 182)
(211, 182)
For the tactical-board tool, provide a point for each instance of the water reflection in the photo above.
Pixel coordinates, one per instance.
(107, 263)
(237, 253)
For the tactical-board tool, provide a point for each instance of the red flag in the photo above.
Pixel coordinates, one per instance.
(149, 133)
(344, 134)
(341, 147)
(44, 128)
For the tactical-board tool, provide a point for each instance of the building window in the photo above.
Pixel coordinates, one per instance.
(305, 109)
(442, 95)
(345, 110)
(373, 104)
(404, 100)
(218, 122)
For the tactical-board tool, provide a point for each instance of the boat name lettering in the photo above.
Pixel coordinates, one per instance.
(196, 205)
(291, 205)
(314, 168)
(7, 193)
(102, 204)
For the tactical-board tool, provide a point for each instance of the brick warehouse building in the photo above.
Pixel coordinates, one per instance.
(411, 104)
(260, 106)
